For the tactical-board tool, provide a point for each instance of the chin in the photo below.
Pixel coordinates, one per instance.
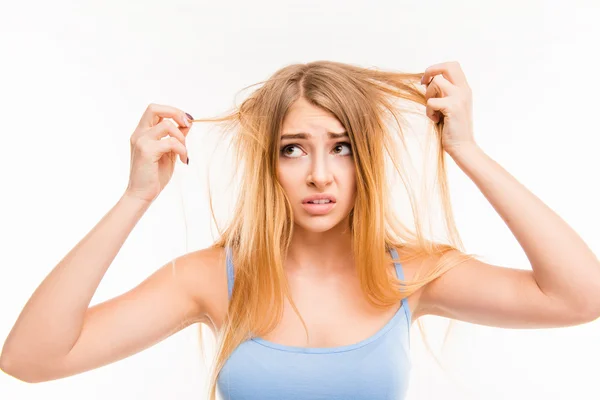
(318, 223)
(318, 227)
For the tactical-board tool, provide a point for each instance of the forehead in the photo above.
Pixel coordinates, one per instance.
(305, 117)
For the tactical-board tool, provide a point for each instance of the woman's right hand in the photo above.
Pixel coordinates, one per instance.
(155, 144)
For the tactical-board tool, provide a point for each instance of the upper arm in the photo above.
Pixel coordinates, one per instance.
(492, 295)
(167, 301)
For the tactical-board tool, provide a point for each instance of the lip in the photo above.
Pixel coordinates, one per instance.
(318, 209)
(319, 197)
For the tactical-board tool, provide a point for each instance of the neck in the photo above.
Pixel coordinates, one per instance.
(321, 252)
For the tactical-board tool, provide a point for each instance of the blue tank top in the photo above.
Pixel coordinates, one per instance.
(374, 368)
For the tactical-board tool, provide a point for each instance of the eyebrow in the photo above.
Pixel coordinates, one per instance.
(302, 135)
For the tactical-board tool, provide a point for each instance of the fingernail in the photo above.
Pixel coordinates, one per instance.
(189, 116)
(188, 161)
(186, 120)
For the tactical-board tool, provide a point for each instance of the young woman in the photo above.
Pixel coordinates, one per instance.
(312, 287)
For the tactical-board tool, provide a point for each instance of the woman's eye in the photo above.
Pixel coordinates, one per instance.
(285, 151)
(342, 145)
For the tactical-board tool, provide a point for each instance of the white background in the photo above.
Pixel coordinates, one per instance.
(76, 76)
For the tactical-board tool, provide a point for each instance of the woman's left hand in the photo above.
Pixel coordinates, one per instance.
(449, 97)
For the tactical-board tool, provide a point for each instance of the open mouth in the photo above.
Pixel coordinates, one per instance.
(324, 201)
(318, 207)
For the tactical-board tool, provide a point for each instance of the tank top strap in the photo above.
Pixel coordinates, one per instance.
(399, 271)
(230, 275)
(400, 275)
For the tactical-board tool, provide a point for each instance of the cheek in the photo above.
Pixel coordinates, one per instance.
(287, 177)
(350, 193)
(350, 177)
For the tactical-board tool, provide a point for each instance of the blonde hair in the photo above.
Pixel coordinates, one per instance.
(364, 100)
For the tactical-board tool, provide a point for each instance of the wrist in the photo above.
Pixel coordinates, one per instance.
(464, 149)
(131, 200)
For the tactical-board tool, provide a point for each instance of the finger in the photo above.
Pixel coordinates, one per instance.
(155, 112)
(174, 145)
(440, 87)
(184, 129)
(165, 128)
(450, 70)
(436, 108)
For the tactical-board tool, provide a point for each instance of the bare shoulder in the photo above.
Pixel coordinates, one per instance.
(493, 295)
(415, 263)
(414, 266)
(205, 277)
(185, 290)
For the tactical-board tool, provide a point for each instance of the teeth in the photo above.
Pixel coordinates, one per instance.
(324, 201)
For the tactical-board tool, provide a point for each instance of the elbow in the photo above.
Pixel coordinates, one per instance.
(590, 313)
(589, 310)
(591, 302)
(8, 366)
(24, 373)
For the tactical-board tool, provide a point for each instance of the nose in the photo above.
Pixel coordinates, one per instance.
(320, 174)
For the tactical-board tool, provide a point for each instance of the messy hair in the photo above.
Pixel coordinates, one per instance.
(368, 102)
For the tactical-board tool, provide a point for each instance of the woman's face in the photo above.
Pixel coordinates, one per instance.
(312, 162)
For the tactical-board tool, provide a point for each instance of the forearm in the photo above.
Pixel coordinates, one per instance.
(51, 321)
(563, 265)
